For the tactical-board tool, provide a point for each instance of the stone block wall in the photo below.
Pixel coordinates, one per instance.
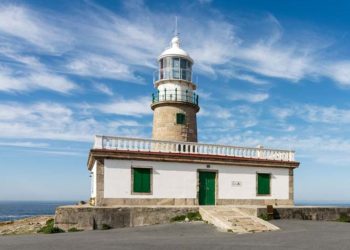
(307, 213)
(164, 122)
(90, 218)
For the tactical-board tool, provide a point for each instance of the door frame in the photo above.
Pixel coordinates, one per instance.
(216, 184)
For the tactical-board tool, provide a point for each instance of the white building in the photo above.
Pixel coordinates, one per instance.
(172, 168)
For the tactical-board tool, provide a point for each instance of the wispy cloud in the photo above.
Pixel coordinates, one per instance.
(103, 88)
(24, 144)
(58, 122)
(314, 113)
(98, 43)
(249, 97)
(25, 24)
(137, 106)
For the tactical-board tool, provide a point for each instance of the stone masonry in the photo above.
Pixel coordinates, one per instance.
(164, 122)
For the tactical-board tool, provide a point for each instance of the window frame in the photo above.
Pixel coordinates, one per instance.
(184, 119)
(257, 184)
(133, 179)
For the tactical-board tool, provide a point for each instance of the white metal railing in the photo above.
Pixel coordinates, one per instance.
(149, 145)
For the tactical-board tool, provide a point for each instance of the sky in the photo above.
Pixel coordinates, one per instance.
(272, 73)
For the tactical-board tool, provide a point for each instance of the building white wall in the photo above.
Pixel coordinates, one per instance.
(93, 180)
(179, 180)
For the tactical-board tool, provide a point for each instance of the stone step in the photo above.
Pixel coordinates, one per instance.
(232, 219)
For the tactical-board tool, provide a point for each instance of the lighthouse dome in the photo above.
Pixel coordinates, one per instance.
(175, 50)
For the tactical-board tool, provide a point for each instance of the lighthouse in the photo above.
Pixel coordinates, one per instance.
(175, 103)
(172, 168)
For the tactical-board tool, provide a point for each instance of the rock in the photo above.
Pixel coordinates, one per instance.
(24, 226)
(187, 219)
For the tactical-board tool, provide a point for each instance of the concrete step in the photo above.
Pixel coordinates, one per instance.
(232, 219)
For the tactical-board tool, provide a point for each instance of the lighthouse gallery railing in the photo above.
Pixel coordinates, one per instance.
(148, 145)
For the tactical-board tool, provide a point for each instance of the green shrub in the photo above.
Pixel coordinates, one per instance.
(178, 218)
(344, 218)
(264, 217)
(49, 228)
(74, 229)
(192, 216)
(106, 227)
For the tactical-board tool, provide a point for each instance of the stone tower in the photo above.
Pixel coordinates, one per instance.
(175, 103)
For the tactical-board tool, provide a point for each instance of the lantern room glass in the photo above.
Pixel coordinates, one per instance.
(175, 68)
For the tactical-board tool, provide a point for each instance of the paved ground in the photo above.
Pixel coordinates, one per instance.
(295, 235)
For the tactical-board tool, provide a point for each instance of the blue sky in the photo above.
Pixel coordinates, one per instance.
(272, 73)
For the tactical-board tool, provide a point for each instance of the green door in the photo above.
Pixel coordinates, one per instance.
(207, 188)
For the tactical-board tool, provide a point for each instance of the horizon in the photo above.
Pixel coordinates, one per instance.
(272, 74)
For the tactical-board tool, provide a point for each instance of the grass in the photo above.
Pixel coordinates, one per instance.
(192, 216)
(264, 217)
(74, 229)
(344, 218)
(50, 228)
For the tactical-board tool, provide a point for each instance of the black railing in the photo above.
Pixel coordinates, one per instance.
(175, 95)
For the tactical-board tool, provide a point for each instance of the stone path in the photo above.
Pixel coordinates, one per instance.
(231, 219)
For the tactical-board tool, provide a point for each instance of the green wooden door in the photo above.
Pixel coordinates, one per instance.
(207, 188)
(264, 184)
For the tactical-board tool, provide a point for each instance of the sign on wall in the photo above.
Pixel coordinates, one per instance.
(236, 184)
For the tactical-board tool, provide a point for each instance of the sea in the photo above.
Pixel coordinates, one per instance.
(14, 210)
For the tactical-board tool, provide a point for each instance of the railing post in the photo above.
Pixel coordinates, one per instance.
(291, 156)
(98, 142)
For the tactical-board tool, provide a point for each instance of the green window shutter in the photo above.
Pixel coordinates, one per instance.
(142, 180)
(264, 184)
(180, 118)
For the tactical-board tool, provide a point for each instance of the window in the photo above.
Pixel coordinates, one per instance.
(141, 180)
(180, 118)
(263, 184)
(183, 64)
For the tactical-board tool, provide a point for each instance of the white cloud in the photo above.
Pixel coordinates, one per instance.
(314, 113)
(24, 144)
(272, 61)
(103, 88)
(231, 73)
(33, 81)
(137, 106)
(249, 97)
(23, 23)
(99, 43)
(54, 121)
(340, 72)
(97, 66)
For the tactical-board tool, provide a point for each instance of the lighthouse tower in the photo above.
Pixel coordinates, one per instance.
(175, 103)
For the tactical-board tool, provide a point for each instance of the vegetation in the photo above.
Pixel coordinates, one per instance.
(74, 229)
(192, 216)
(344, 218)
(49, 228)
(195, 216)
(264, 217)
(178, 218)
(106, 227)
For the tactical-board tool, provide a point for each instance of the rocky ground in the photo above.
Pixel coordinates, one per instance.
(24, 226)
